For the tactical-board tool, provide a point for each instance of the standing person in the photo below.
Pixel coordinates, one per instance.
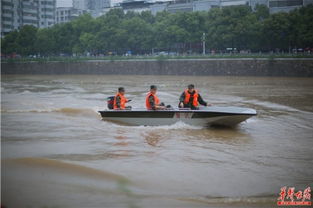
(120, 100)
(190, 98)
(152, 101)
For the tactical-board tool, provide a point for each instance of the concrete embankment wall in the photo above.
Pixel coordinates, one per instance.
(231, 67)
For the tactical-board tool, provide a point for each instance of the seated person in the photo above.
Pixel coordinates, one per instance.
(120, 100)
(190, 98)
(152, 101)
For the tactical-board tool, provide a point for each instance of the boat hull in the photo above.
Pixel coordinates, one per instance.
(224, 116)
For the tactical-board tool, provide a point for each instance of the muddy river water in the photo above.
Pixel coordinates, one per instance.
(57, 152)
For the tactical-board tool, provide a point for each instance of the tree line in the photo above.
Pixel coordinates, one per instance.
(116, 33)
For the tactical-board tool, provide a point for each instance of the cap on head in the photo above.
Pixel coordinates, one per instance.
(121, 89)
(153, 87)
(191, 86)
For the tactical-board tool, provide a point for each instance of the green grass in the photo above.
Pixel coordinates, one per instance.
(157, 58)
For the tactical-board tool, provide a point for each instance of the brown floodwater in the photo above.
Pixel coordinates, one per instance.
(57, 152)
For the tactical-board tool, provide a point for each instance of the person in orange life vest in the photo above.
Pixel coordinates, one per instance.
(190, 98)
(152, 101)
(120, 100)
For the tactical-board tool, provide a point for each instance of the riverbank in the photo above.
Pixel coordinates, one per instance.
(155, 57)
(298, 67)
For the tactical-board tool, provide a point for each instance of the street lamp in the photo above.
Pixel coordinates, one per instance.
(203, 44)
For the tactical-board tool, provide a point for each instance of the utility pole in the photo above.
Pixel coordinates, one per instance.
(203, 44)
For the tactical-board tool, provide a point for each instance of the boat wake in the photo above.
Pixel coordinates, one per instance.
(66, 111)
(63, 167)
(177, 125)
(234, 201)
(271, 105)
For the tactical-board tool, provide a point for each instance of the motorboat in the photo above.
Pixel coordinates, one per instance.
(205, 116)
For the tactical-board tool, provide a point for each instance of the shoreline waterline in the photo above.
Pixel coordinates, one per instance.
(277, 67)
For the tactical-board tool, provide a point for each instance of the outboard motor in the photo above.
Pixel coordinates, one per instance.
(110, 101)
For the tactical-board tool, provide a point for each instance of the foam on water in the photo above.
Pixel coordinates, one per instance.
(63, 166)
(232, 200)
(177, 125)
(67, 111)
(271, 105)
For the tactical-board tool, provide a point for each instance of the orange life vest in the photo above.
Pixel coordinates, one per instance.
(156, 100)
(195, 98)
(123, 101)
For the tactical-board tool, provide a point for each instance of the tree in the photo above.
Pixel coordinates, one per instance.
(65, 37)
(261, 12)
(45, 42)
(84, 23)
(147, 17)
(138, 34)
(9, 43)
(276, 31)
(26, 40)
(88, 42)
(235, 27)
(302, 27)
